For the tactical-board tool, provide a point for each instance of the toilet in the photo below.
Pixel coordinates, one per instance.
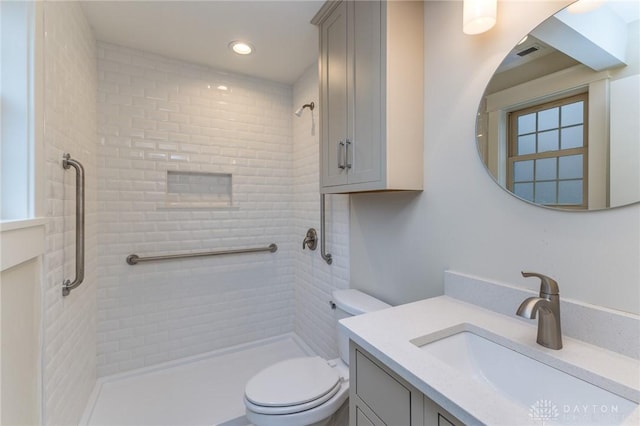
(308, 390)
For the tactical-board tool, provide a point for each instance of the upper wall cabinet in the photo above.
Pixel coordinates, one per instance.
(371, 96)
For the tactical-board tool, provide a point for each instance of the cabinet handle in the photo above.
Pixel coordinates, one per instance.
(346, 153)
(341, 148)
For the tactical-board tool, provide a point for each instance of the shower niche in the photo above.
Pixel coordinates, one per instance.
(199, 190)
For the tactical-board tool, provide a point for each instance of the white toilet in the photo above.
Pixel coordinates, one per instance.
(308, 390)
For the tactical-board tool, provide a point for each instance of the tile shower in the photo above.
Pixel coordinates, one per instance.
(158, 117)
(228, 140)
(185, 158)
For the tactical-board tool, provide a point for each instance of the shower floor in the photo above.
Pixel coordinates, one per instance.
(202, 390)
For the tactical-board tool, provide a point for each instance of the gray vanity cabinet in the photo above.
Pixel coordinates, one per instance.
(371, 96)
(435, 415)
(379, 397)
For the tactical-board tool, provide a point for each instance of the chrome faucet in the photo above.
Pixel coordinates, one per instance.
(548, 305)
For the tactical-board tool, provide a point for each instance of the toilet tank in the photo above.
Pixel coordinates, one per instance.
(348, 303)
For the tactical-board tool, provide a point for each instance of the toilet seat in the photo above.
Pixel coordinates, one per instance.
(292, 408)
(292, 386)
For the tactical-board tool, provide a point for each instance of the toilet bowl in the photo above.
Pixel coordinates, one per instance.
(308, 390)
(298, 391)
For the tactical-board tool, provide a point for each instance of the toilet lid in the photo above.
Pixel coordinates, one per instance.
(292, 382)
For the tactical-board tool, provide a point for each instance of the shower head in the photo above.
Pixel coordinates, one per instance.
(298, 112)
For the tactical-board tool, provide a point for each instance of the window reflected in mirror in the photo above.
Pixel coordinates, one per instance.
(558, 123)
(548, 153)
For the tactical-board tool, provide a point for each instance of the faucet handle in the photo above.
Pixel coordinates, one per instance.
(548, 286)
(310, 240)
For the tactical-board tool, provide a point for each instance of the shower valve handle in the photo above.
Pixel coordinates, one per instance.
(311, 240)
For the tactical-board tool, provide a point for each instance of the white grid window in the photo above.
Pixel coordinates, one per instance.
(548, 153)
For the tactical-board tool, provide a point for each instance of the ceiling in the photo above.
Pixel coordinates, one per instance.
(625, 12)
(285, 42)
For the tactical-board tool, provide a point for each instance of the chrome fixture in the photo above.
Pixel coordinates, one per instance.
(134, 259)
(67, 162)
(343, 153)
(310, 105)
(326, 256)
(548, 305)
(311, 240)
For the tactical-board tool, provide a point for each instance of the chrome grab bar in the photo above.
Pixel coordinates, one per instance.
(67, 162)
(323, 252)
(134, 259)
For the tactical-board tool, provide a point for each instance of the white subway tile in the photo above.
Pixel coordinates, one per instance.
(208, 303)
(71, 87)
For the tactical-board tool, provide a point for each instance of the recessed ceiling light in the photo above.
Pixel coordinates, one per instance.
(241, 47)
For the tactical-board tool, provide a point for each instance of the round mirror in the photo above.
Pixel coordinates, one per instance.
(559, 122)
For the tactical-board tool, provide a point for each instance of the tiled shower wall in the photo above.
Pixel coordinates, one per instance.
(69, 368)
(157, 115)
(315, 280)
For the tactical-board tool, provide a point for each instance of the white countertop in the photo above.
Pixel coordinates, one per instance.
(387, 335)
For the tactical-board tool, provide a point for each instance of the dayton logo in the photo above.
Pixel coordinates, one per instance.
(544, 411)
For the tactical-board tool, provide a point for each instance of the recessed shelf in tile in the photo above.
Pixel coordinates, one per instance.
(198, 190)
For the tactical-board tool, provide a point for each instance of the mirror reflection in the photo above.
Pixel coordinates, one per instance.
(559, 123)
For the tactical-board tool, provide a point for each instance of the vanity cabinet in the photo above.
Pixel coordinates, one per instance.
(436, 415)
(379, 397)
(371, 96)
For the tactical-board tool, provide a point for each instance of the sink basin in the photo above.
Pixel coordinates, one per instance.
(549, 394)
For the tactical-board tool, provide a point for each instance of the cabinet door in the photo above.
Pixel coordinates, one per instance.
(363, 420)
(434, 415)
(389, 399)
(334, 70)
(366, 117)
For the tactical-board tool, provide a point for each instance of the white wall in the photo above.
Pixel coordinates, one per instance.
(402, 243)
(70, 126)
(20, 342)
(624, 154)
(624, 149)
(314, 279)
(158, 114)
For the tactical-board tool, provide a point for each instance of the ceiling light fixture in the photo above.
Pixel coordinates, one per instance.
(478, 16)
(241, 47)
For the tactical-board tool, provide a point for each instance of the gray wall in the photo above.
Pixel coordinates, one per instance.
(401, 243)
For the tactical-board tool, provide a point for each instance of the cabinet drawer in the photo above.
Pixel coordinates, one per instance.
(390, 400)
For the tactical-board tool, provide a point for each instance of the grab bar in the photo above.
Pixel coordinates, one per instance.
(323, 252)
(134, 259)
(67, 162)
